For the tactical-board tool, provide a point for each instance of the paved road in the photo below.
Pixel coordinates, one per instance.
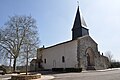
(5, 77)
(91, 75)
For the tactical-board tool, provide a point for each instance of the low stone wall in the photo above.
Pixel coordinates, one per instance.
(26, 77)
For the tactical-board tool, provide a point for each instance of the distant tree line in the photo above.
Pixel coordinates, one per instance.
(113, 63)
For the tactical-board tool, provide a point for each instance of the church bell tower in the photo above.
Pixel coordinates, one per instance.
(79, 27)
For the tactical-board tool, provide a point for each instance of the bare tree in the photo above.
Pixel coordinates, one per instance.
(109, 55)
(30, 47)
(13, 36)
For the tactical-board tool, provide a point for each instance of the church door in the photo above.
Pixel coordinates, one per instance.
(90, 57)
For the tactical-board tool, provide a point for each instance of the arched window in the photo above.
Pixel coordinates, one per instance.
(63, 59)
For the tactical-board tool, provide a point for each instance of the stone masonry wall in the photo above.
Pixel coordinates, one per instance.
(86, 42)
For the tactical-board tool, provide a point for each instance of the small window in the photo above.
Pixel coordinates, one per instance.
(44, 60)
(63, 59)
(39, 65)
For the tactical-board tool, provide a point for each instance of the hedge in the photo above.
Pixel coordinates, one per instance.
(67, 69)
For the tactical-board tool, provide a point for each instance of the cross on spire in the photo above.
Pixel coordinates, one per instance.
(78, 3)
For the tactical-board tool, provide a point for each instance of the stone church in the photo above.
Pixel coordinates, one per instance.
(80, 52)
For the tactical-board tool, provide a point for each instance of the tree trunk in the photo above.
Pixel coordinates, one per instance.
(27, 64)
(14, 65)
(27, 67)
(10, 63)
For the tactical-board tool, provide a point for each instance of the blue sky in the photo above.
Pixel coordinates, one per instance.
(55, 20)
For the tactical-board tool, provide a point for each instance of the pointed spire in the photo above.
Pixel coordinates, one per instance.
(79, 25)
(77, 22)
